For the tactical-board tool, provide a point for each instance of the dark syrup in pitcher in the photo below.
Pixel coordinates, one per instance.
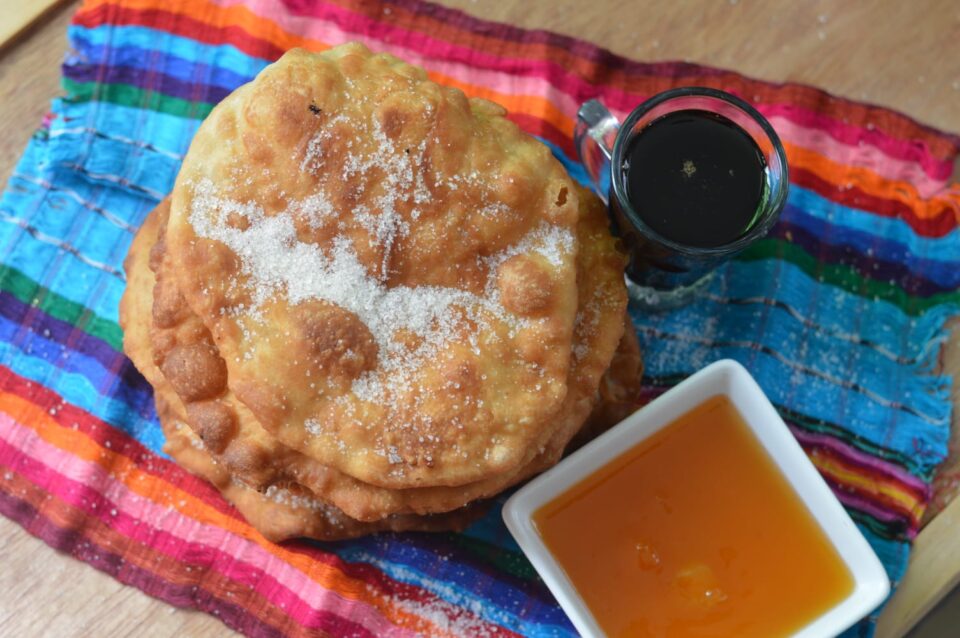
(696, 178)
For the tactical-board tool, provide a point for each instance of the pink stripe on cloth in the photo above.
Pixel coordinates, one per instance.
(868, 156)
(89, 488)
(908, 151)
(861, 504)
(860, 458)
(524, 77)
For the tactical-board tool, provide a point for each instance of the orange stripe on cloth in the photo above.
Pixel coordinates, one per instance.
(840, 175)
(880, 492)
(845, 176)
(167, 494)
(170, 570)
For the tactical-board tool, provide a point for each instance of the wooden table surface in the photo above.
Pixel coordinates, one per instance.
(904, 55)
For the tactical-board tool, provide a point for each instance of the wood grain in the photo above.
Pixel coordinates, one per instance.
(20, 15)
(934, 571)
(904, 55)
(29, 79)
(49, 594)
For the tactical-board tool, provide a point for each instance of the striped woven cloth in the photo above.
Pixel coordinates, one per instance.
(839, 313)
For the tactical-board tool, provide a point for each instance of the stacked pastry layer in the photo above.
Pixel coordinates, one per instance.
(371, 303)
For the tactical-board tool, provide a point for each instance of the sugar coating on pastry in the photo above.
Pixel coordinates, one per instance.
(386, 267)
(280, 511)
(234, 438)
(283, 512)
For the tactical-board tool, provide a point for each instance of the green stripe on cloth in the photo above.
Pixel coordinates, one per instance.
(840, 275)
(513, 563)
(846, 278)
(819, 426)
(127, 95)
(29, 292)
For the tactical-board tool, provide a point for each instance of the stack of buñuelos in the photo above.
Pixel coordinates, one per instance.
(370, 302)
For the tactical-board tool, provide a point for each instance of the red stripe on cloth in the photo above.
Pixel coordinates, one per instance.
(178, 24)
(380, 590)
(606, 68)
(939, 225)
(71, 531)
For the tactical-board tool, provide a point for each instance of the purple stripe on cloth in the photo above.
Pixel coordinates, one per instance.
(515, 590)
(868, 267)
(853, 455)
(502, 31)
(153, 81)
(61, 332)
(897, 526)
(74, 542)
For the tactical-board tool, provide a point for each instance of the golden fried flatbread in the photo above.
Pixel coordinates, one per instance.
(386, 267)
(282, 511)
(234, 437)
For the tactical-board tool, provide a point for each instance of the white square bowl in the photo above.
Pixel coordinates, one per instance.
(727, 377)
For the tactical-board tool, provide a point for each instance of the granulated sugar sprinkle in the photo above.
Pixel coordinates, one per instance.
(276, 263)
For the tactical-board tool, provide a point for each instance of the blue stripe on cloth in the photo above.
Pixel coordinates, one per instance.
(107, 42)
(888, 228)
(113, 401)
(482, 595)
(136, 146)
(23, 343)
(169, 134)
(944, 270)
(825, 310)
(185, 66)
(853, 364)
(787, 359)
(788, 328)
(62, 216)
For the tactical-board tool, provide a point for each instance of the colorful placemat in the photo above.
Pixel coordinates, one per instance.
(839, 313)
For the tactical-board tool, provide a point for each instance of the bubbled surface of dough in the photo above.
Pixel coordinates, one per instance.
(249, 452)
(344, 167)
(281, 511)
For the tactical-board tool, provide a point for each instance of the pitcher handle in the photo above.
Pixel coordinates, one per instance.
(593, 137)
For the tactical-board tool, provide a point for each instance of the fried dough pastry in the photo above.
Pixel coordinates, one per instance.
(234, 438)
(620, 390)
(282, 511)
(386, 267)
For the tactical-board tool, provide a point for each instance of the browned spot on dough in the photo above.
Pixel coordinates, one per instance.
(339, 343)
(352, 190)
(213, 422)
(226, 124)
(407, 339)
(461, 377)
(156, 254)
(264, 401)
(259, 149)
(169, 307)
(195, 371)
(525, 287)
(392, 120)
(246, 458)
(235, 220)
